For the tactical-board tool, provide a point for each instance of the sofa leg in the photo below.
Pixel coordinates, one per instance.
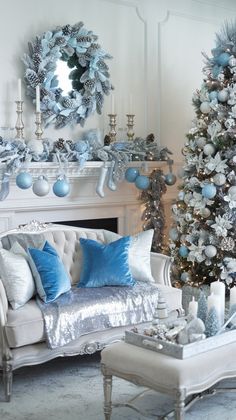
(7, 380)
(107, 386)
(179, 405)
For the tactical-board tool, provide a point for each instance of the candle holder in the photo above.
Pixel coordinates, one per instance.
(19, 122)
(112, 124)
(38, 122)
(130, 125)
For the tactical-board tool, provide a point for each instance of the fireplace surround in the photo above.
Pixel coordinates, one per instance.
(22, 206)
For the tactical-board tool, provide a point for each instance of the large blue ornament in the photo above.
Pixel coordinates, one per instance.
(223, 59)
(24, 180)
(209, 191)
(170, 179)
(213, 95)
(183, 251)
(131, 174)
(61, 188)
(142, 182)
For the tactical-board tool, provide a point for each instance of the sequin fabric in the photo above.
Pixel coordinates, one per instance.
(84, 310)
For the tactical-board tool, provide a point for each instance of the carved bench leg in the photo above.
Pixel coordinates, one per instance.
(7, 380)
(107, 386)
(179, 405)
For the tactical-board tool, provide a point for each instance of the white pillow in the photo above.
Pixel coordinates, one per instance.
(16, 276)
(139, 254)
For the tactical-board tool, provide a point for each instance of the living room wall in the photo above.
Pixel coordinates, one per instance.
(156, 47)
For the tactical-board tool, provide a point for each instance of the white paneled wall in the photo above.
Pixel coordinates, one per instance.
(156, 47)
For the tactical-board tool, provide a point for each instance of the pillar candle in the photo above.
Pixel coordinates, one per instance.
(193, 307)
(19, 90)
(214, 300)
(37, 98)
(218, 288)
(232, 299)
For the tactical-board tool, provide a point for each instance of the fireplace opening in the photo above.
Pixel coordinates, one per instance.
(108, 224)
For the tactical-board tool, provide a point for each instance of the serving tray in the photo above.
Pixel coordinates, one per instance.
(180, 351)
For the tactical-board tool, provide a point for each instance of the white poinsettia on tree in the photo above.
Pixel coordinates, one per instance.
(205, 211)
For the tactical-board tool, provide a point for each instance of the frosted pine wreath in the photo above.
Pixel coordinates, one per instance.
(89, 75)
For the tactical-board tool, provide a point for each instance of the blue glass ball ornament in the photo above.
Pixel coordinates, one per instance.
(41, 186)
(170, 179)
(174, 234)
(61, 187)
(223, 59)
(213, 95)
(216, 71)
(131, 174)
(185, 276)
(183, 251)
(24, 180)
(142, 182)
(81, 146)
(209, 191)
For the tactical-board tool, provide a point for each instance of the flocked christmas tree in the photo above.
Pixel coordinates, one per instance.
(203, 241)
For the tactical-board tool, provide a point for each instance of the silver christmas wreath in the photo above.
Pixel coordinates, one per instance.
(89, 74)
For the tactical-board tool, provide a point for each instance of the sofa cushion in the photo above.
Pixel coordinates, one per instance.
(24, 325)
(49, 272)
(105, 265)
(16, 276)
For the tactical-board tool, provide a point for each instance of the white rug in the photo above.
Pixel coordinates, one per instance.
(72, 389)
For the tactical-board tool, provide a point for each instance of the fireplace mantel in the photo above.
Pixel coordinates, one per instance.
(22, 206)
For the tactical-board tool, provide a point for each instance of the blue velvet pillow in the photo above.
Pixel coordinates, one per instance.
(50, 275)
(105, 265)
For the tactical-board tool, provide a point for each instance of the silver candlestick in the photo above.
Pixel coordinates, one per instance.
(19, 122)
(112, 124)
(38, 122)
(130, 126)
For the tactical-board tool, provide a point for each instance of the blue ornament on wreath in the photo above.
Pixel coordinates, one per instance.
(24, 180)
(209, 191)
(61, 187)
(131, 174)
(223, 59)
(183, 251)
(142, 182)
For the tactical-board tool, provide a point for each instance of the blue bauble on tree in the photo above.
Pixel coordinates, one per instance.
(24, 180)
(223, 59)
(209, 191)
(61, 187)
(131, 174)
(183, 251)
(213, 95)
(142, 182)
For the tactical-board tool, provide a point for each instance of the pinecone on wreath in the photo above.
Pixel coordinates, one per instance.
(32, 77)
(66, 30)
(60, 144)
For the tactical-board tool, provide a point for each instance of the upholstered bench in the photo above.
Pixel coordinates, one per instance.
(166, 374)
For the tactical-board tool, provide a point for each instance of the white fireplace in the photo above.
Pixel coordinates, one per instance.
(22, 206)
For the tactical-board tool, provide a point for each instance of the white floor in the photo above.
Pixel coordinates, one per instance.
(71, 389)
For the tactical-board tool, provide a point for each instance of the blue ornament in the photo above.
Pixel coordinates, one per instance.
(131, 174)
(209, 191)
(223, 59)
(183, 251)
(81, 146)
(170, 179)
(24, 180)
(174, 234)
(216, 71)
(142, 182)
(185, 276)
(61, 187)
(213, 95)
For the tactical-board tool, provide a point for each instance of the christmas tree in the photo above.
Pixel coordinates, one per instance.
(212, 322)
(203, 239)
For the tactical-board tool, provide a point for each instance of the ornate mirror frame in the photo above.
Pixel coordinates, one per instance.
(89, 74)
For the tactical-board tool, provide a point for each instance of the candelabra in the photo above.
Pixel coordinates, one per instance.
(130, 125)
(19, 122)
(112, 124)
(38, 122)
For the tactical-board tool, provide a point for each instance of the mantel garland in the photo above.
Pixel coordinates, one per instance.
(89, 74)
(16, 155)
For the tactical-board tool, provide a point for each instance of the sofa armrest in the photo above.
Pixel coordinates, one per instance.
(3, 304)
(160, 267)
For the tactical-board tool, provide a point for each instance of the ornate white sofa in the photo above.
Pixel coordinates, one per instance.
(22, 330)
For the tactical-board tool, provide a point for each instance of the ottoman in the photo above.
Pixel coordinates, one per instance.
(178, 378)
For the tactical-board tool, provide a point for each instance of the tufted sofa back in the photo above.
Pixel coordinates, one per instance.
(66, 242)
